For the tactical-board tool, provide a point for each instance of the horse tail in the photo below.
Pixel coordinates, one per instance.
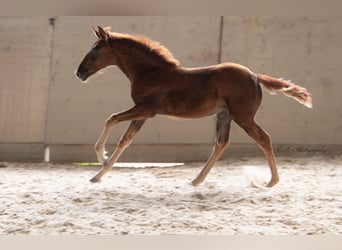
(288, 88)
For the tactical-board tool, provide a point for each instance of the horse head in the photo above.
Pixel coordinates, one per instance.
(99, 57)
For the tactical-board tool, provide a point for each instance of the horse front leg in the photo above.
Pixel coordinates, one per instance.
(99, 148)
(138, 115)
(135, 113)
(124, 142)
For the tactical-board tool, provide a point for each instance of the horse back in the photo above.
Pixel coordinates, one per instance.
(196, 92)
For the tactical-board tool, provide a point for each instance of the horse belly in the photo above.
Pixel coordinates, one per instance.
(185, 105)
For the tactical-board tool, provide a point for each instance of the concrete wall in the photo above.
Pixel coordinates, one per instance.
(305, 50)
(42, 103)
(25, 55)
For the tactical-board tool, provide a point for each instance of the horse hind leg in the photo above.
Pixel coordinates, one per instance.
(263, 140)
(221, 143)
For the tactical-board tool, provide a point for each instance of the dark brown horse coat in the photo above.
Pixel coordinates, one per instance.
(159, 85)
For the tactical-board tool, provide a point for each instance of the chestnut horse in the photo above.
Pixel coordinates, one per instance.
(159, 85)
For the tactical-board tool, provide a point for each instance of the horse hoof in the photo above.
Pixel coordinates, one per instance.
(94, 180)
(195, 183)
(272, 183)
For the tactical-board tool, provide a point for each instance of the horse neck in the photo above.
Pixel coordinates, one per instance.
(135, 61)
(126, 70)
(132, 69)
(135, 67)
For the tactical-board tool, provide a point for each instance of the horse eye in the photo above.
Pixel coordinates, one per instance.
(96, 46)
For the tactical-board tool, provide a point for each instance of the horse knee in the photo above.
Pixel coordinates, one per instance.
(97, 147)
(222, 142)
(126, 139)
(110, 121)
(222, 136)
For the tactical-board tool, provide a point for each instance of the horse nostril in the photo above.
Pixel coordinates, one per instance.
(79, 72)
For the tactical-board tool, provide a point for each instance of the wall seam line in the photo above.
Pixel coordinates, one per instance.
(219, 59)
(52, 22)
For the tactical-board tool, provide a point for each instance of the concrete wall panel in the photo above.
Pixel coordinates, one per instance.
(42, 102)
(305, 50)
(25, 50)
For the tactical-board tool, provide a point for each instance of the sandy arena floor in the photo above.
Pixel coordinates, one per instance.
(49, 199)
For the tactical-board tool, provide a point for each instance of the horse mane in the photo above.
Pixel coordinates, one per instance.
(145, 45)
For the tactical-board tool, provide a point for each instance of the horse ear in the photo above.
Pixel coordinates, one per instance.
(97, 34)
(103, 34)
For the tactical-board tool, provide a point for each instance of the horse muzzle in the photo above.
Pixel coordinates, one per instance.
(81, 74)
